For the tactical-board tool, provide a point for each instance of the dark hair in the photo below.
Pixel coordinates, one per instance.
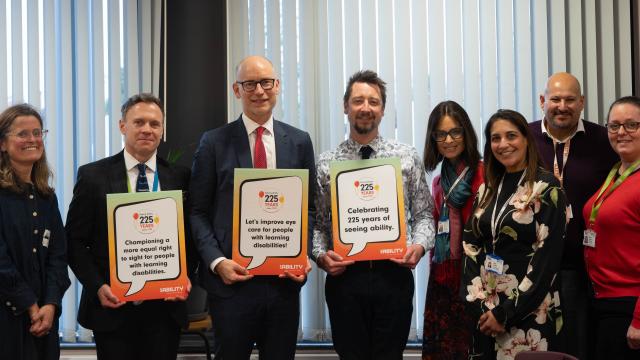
(40, 173)
(138, 98)
(631, 100)
(493, 169)
(370, 77)
(470, 155)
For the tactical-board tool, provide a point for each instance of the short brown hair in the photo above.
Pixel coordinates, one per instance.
(141, 98)
(369, 77)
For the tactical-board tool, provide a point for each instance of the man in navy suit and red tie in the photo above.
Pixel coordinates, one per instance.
(246, 310)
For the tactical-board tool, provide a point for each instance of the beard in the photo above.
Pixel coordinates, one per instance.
(365, 129)
(560, 124)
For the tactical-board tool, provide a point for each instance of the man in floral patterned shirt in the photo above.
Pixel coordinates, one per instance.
(370, 302)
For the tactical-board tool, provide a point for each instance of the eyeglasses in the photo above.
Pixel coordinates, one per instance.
(441, 136)
(251, 85)
(26, 134)
(630, 127)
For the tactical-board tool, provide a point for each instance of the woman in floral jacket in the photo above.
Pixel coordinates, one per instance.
(513, 246)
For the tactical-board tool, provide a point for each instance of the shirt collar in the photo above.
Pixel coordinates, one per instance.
(130, 162)
(375, 143)
(579, 128)
(251, 125)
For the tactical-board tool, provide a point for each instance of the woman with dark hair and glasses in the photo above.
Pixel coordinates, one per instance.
(612, 239)
(451, 142)
(513, 246)
(33, 266)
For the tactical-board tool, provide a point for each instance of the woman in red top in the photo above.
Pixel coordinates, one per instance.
(452, 142)
(612, 239)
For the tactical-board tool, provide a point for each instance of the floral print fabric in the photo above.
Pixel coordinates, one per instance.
(529, 239)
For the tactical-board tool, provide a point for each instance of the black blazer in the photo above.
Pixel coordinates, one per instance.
(221, 150)
(86, 227)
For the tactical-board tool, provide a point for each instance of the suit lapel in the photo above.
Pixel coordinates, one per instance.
(241, 144)
(164, 174)
(118, 174)
(284, 152)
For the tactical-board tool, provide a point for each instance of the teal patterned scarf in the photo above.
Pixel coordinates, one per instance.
(457, 198)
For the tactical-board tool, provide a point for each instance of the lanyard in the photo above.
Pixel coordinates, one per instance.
(460, 177)
(494, 220)
(565, 156)
(155, 182)
(597, 204)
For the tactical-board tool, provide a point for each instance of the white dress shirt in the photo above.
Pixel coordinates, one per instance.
(268, 139)
(132, 170)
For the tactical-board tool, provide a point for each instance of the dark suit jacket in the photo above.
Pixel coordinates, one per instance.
(87, 236)
(221, 150)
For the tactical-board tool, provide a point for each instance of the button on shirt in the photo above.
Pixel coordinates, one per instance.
(418, 203)
(132, 170)
(32, 268)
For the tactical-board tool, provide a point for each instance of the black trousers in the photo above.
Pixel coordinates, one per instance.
(613, 317)
(578, 331)
(263, 311)
(148, 332)
(370, 307)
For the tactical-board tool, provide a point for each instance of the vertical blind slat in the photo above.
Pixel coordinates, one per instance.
(387, 65)
(17, 42)
(33, 45)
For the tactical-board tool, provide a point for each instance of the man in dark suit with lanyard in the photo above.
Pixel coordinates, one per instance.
(265, 309)
(123, 330)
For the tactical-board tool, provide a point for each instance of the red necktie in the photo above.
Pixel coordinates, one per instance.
(259, 153)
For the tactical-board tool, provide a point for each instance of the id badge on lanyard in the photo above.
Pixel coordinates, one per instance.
(443, 225)
(590, 234)
(589, 238)
(494, 264)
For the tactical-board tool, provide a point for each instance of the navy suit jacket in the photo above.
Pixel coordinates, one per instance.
(86, 227)
(222, 150)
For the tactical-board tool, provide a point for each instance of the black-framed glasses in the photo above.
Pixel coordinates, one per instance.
(630, 127)
(26, 134)
(251, 85)
(455, 133)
